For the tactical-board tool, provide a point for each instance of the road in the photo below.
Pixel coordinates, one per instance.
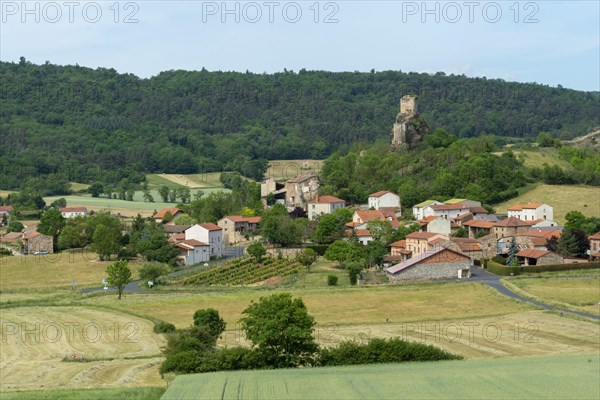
(481, 275)
(134, 287)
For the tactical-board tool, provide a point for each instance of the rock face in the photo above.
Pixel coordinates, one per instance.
(409, 127)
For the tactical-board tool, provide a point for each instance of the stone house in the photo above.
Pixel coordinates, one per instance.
(510, 226)
(295, 193)
(531, 211)
(478, 227)
(37, 242)
(441, 263)
(236, 226)
(437, 225)
(469, 247)
(12, 237)
(538, 257)
(207, 233)
(72, 212)
(5, 211)
(192, 251)
(321, 205)
(384, 198)
(595, 243)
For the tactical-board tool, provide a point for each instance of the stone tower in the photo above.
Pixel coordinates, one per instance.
(408, 128)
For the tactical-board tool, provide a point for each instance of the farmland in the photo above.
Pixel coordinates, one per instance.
(243, 272)
(577, 293)
(551, 377)
(282, 170)
(120, 350)
(563, 198)
(53, 271)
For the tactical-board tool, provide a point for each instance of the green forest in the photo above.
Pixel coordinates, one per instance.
(71, 123)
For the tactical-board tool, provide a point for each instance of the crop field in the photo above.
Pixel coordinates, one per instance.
(563, 198)
(243, 272)
(126, 208)
(575, 293)
(363, 305)
(120, 350)
(54, 270)
(87, 394)
(551, 377)
(192, 181)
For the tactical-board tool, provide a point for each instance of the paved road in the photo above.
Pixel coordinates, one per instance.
(481, 275)
(134, 287)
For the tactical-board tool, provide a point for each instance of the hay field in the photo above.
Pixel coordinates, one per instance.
(563, 198)
(123, 351)
(282, 170)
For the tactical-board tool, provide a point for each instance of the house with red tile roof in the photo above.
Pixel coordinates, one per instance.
(160, 214)
(595, 244)
(207, 233)
(510, 226)
(322, 205)
(452, 211)
(384, 198)
(235, 227)
(441, 263)
(477, 227)
(6, 211)
(420, 242)
(531, 211)
(72, 212)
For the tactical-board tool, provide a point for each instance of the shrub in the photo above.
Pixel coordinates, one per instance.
(5, 252)
(320, 249)
(499, 259)
(332, 280)
(505, 270)
(164, 327)
(382, 351)
(181, 362)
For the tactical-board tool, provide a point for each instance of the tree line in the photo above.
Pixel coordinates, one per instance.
(70, 123)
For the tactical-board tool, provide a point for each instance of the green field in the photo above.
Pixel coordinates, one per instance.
(537, 158)
(553, 377)
(563, 198)
(87, 394)
(126, 208)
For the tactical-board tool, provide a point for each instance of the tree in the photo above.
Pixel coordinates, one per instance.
(280, 329)
(277, 227)
(331, 227)
(256, 250)
(210, 320)
(184, 219)
(106, 241)
(59, 203)
(344, 250)
(512, 253)
(72, 236)
(307, 257)
(573, 243)
(95, 189)
(151, 272)
(163, 191)
(14, 226)
(119, 275)
(354, 269)
(51, 224)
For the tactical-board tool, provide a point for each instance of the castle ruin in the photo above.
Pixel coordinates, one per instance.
(409, 128)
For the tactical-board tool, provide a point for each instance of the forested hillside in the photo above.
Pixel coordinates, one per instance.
(71, 123)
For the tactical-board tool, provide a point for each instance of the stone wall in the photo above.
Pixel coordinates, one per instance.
(433, 271)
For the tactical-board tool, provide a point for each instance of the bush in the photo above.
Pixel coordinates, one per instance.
(164, 327)
(5, 252)
(332, 280)
(499, 259)
(382, 351)
(186, 362)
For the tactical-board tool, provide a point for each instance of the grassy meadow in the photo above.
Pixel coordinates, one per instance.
(551, 377)
(563, 198)
(87, 394)
(54, 271)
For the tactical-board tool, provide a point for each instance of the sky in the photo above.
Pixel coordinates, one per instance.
(548, 42)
